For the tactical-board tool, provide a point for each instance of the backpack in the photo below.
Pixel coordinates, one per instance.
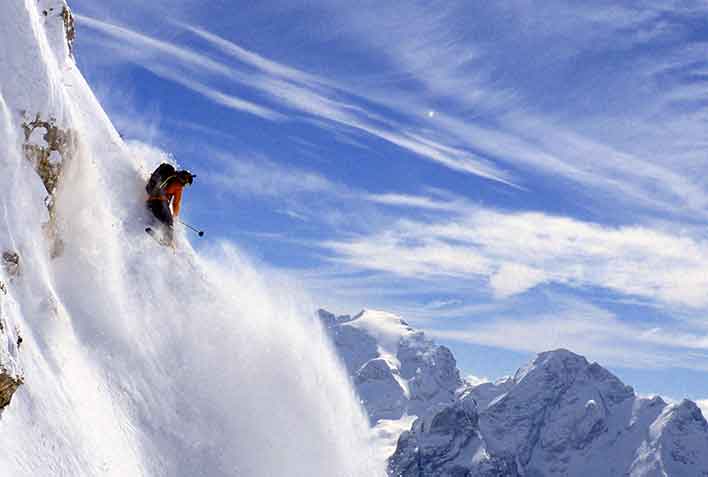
(159, 179)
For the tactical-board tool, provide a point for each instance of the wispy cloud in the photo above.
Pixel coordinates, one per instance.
(284, 87)
(253, 59)
(215, 95)
(150, 53)
(603, 104)
(517, 251)
(627, 149)
(259, 176)
(150, 47)
(591, 331)
(433, 46)
(418, 202)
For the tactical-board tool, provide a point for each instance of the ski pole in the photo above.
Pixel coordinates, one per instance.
(199, 232)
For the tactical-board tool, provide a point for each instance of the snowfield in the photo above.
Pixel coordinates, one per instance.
(136, 361)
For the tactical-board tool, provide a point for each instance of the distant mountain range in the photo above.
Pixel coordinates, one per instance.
(558, 416)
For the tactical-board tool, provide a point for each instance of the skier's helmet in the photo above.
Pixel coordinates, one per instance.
(186, 177)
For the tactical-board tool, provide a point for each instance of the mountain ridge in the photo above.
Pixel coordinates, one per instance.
(559, 415)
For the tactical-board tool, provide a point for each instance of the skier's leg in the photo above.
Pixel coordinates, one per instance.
(166, 218)
(161, 210)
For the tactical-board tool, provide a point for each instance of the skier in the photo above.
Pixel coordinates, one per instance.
(165, 188)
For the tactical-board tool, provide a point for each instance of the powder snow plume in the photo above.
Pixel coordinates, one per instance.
(137, 361)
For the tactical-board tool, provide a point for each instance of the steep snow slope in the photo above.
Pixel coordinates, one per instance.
(137, 361)
(559, 416)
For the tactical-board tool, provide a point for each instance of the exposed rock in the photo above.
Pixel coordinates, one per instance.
(10, 340)
(11, 264)
(8, 386)
(48, 147)
(59, 8)
(42, 137)
(69, 27)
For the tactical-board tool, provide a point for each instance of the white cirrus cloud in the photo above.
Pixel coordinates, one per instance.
(415, 202)
(259, 176)
(515, 252)
(283, 87)
(640, 152)
(591, 331)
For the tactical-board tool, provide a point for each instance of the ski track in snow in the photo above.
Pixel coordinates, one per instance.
(139, 361)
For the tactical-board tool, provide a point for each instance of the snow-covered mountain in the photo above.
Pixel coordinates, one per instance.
(398, 373)
(119, 357)
(559, 416)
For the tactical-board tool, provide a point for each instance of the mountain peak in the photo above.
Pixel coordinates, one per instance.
(559, 354)
(384, 317)
(329, 319)
(397, 370)
(559, 415)
(560, 358)
(687, 411)
(565, 368)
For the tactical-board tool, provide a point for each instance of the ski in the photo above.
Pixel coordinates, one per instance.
(152, 233)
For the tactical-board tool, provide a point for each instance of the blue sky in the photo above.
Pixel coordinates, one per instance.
(510, 177)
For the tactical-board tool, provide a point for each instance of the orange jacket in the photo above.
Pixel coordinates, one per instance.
(172, 191)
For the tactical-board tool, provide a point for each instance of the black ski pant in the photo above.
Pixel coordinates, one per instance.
(161, 210)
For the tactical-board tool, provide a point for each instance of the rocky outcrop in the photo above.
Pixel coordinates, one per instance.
(59, 9)
(559, 416)
(8, 386)
(48, 147)
(10, 341)
(69, 27)
(11, 263)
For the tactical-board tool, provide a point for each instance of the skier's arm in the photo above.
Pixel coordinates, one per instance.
(176, 202)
